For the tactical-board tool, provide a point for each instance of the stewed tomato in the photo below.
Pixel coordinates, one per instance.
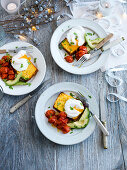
(83, 48)
(69, 59)
(62, 114)
(66, 129)
(50, 113)
(52, 119)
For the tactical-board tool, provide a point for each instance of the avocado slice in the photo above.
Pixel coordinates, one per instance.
(13, 82)
(92, 43)
(83, 121)
(88, 48)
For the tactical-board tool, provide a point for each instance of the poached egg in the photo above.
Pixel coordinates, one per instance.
(18, 62)
(73, 108)
(76, 35)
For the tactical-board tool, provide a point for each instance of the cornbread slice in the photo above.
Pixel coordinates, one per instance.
(30, 71)
(61, 100)
(69, 48)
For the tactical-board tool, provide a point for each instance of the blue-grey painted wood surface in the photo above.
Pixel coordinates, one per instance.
(23, 147)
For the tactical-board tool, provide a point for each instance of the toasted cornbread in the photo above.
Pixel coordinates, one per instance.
(69, 48)
(30, 71)
(61, 100)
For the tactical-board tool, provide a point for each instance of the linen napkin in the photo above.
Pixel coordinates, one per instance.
(115, 23)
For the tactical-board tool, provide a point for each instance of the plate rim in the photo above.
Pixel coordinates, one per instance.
(97, 64)
(43, 95)
(42, 78)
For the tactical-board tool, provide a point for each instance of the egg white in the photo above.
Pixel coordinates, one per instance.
(73, 108)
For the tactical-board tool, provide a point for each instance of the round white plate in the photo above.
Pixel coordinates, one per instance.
(36, 80)
(46, 101)
(58, 55)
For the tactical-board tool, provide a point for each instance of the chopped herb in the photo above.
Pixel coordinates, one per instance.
(77, 98)
(21, 66)
(71, 132)
(81, 104)
(90, 96)
(29, 62)
(13, 62)
(89, 34)
(76, 37)
(75, 33)
(65, 54)
(72, 43)
(49, 107)
(71, 108)
(58, 104)
(93, 33)
(10, 87)
(35, 60)
(60, 46)
(16, 47)
(70, 49)
(72, 95)
(29, 84)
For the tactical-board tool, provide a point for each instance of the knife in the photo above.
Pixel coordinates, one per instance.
(28, 48)
(32, 94)
(100, 51)
(103, 117)
(104, 41)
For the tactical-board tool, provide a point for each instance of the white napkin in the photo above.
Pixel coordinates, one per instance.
(118, 26)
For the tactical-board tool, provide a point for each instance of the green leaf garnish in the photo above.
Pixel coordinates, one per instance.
(35, 59)
(81, 104)
(71, 108)
(49, 107)
(10, 87)
(90, 96)
(72, 95)
(29, 84)
(58, 104)
(75, 33)
(72, 43)
(71, 132)
(28, 62)
(16, 47)
(21, 66)
(60, 46)
(89, 34)
(13, 62)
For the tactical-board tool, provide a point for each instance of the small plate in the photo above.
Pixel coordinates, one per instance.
(58, 55)
(36, 80)
(46, 102)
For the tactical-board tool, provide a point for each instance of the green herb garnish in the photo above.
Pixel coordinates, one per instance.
(35, 59)
(49, 107)
(72, 43)
(29, 84)
(28, 62)
(13, 62)
(89, 34)
(81, 104)
(21, 66)
(90, 96)
(72, 95)
(65, 54)
(71, 108)
(16, 47)
(75, 33)
(71, 132)
(10, 87)
(60, 46)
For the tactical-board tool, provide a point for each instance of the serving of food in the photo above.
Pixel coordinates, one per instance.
(22, 68)
(78, 42)
(75, 38)
(62, 116)
(70, 113)
(17, 70)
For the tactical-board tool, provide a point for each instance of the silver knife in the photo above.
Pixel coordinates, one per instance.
(103, 117)
(32, 94)
(100, 51)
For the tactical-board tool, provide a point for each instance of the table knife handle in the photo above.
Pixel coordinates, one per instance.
(105, 141)
(19, 104)
(105, 40)
(2, 51)
(101, 126)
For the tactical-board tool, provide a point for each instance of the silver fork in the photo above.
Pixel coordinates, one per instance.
(29, 49)
(100, 125)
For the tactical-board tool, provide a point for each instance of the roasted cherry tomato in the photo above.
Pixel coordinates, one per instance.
(52, 120)
(11, 72)
(11, 77)
(5, 58)
(5, 64)
(63, 121)
(4, 76)
(66, 129)
(4, 70)
(50, 113)
(2, 61)
(62, 114)
(83, 48)
(69, 59)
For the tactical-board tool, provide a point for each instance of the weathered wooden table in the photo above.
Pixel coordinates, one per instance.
(23, 147)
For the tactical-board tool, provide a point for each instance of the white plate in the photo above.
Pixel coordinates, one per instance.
(47, 100)
(36, 80)
(58, 55)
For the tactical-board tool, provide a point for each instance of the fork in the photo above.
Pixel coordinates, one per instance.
(29, 49)
(100, 125)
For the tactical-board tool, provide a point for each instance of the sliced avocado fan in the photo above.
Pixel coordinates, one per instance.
(92, 43)
(83, 121)
(13, 82)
